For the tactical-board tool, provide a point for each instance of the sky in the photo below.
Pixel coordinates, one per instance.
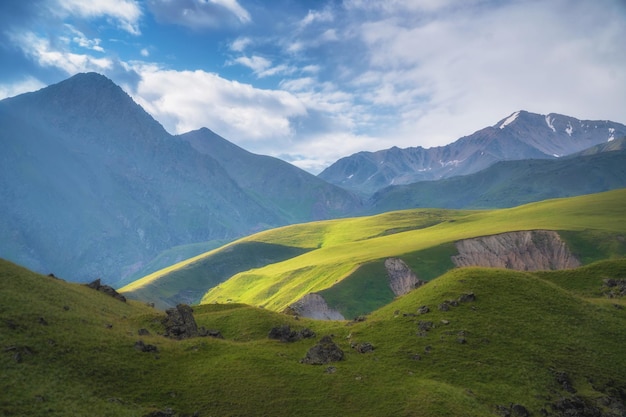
(313, 81)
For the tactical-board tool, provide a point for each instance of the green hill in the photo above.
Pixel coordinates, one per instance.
(542, 343)
(345, 256)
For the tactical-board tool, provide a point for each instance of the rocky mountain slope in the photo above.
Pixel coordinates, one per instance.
(510, 183)
(522, 135)
(92, 186)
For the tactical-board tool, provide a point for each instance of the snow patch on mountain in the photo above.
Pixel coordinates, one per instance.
(549, 123)
(611, 134)
(569, 129)
(509, 120)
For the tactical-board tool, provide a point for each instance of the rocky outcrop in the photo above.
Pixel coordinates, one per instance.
(401, 278)
(108, 290)
(285, 334)
(325, 351)
(531, 250)
(315, 307)
(180, 324)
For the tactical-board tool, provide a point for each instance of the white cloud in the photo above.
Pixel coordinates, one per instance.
(199, 14)
(26, 85)
(126, 12)
(47, 55)
(81, 40)
(189, 100)
(240, 44)
(315, 16)
(450, 74)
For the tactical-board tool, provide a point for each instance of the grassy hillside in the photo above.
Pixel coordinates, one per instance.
(522, 336)
(189, 280)
(347, 245)
(511, 183)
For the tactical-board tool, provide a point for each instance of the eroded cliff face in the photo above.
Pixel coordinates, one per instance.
(401, 278)
(531, 250)
(315, 307)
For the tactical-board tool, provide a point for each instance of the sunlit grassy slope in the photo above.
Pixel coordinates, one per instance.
(417, 235)
(506, 347)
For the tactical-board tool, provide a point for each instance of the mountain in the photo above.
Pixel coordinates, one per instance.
(297, 195)
(338, 267)
(92, 186)
(541, 343)
(522, 135)
(511, 183)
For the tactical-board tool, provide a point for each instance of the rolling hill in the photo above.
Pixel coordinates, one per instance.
(344, 256)
(545, 343)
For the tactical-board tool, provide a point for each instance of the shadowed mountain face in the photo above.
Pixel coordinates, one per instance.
(92, 186)
(522, 135)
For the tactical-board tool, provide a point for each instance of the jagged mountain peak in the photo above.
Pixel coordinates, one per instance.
(520, 135)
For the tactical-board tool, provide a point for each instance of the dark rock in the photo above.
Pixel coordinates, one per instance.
(423, 310)
(108, 290)
(416, 357)
(514, 410)
(66, 308)
(360, 318)
(142, 347)
(168, 412)
(42, 321)
(143, 332)
(324, 352)
(285, 334)
(519, 411)
(445, 306)
(614, 288)
(462, 340)
(575, 407)
(212, 333)
(563, 379)
(466, 298)
(424, 326)
(364, 347)
(330, 370)
(179, 323)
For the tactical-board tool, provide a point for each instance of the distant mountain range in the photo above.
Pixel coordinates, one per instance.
(522, 135)
(92, 186)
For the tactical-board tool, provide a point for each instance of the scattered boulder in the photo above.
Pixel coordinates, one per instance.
(285, 334)
(142, 347)
(513, 410)
(564, 380)
(143, 332)
(314, 306)
(575, 406)
(614, 288)
(423, 310)
(180, 324)
(108, 290)
(324, 352)
(466, 298)
(363, 347)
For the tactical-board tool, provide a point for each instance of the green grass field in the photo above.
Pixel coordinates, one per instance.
(520, 332)
(348, 250)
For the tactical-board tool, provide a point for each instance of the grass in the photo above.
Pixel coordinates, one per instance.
(595, 224)
(520, 330)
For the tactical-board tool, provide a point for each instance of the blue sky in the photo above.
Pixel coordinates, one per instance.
(313, 81)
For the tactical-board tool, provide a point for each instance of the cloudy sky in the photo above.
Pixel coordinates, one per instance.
(311, 81)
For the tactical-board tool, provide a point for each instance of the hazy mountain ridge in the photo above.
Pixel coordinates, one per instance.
(93, 186)
(523, 135)
(510, 183)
